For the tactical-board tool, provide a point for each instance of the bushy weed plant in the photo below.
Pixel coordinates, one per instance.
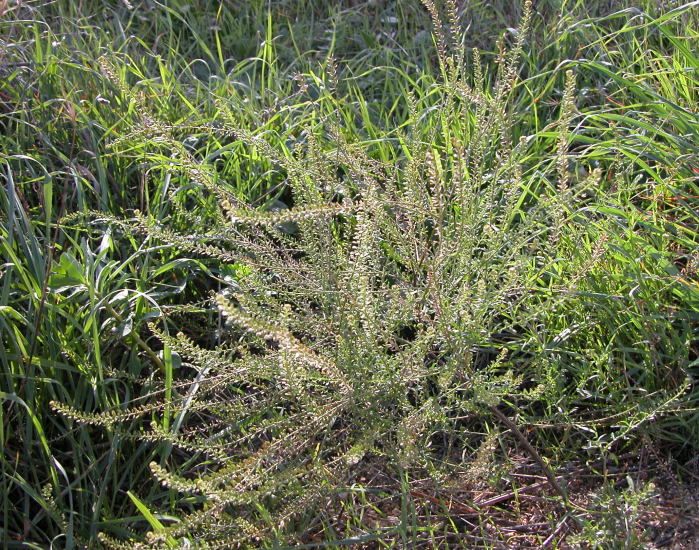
(442, 273)
(384, 316)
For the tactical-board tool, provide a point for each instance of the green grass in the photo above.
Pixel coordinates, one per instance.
(106, 109)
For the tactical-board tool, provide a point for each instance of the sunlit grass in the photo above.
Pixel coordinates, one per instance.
(77, 293)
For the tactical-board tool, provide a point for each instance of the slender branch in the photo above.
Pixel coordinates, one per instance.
(548, 472)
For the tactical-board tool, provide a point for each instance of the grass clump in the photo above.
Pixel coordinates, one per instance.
(374, 292)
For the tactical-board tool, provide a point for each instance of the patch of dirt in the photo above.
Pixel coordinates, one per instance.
(639, 501)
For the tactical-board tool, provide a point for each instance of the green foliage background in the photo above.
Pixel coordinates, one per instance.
(125, 126)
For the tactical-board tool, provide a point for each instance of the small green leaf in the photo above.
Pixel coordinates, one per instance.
(150, 518)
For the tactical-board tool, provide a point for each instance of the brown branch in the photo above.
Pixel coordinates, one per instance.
(548, 472)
